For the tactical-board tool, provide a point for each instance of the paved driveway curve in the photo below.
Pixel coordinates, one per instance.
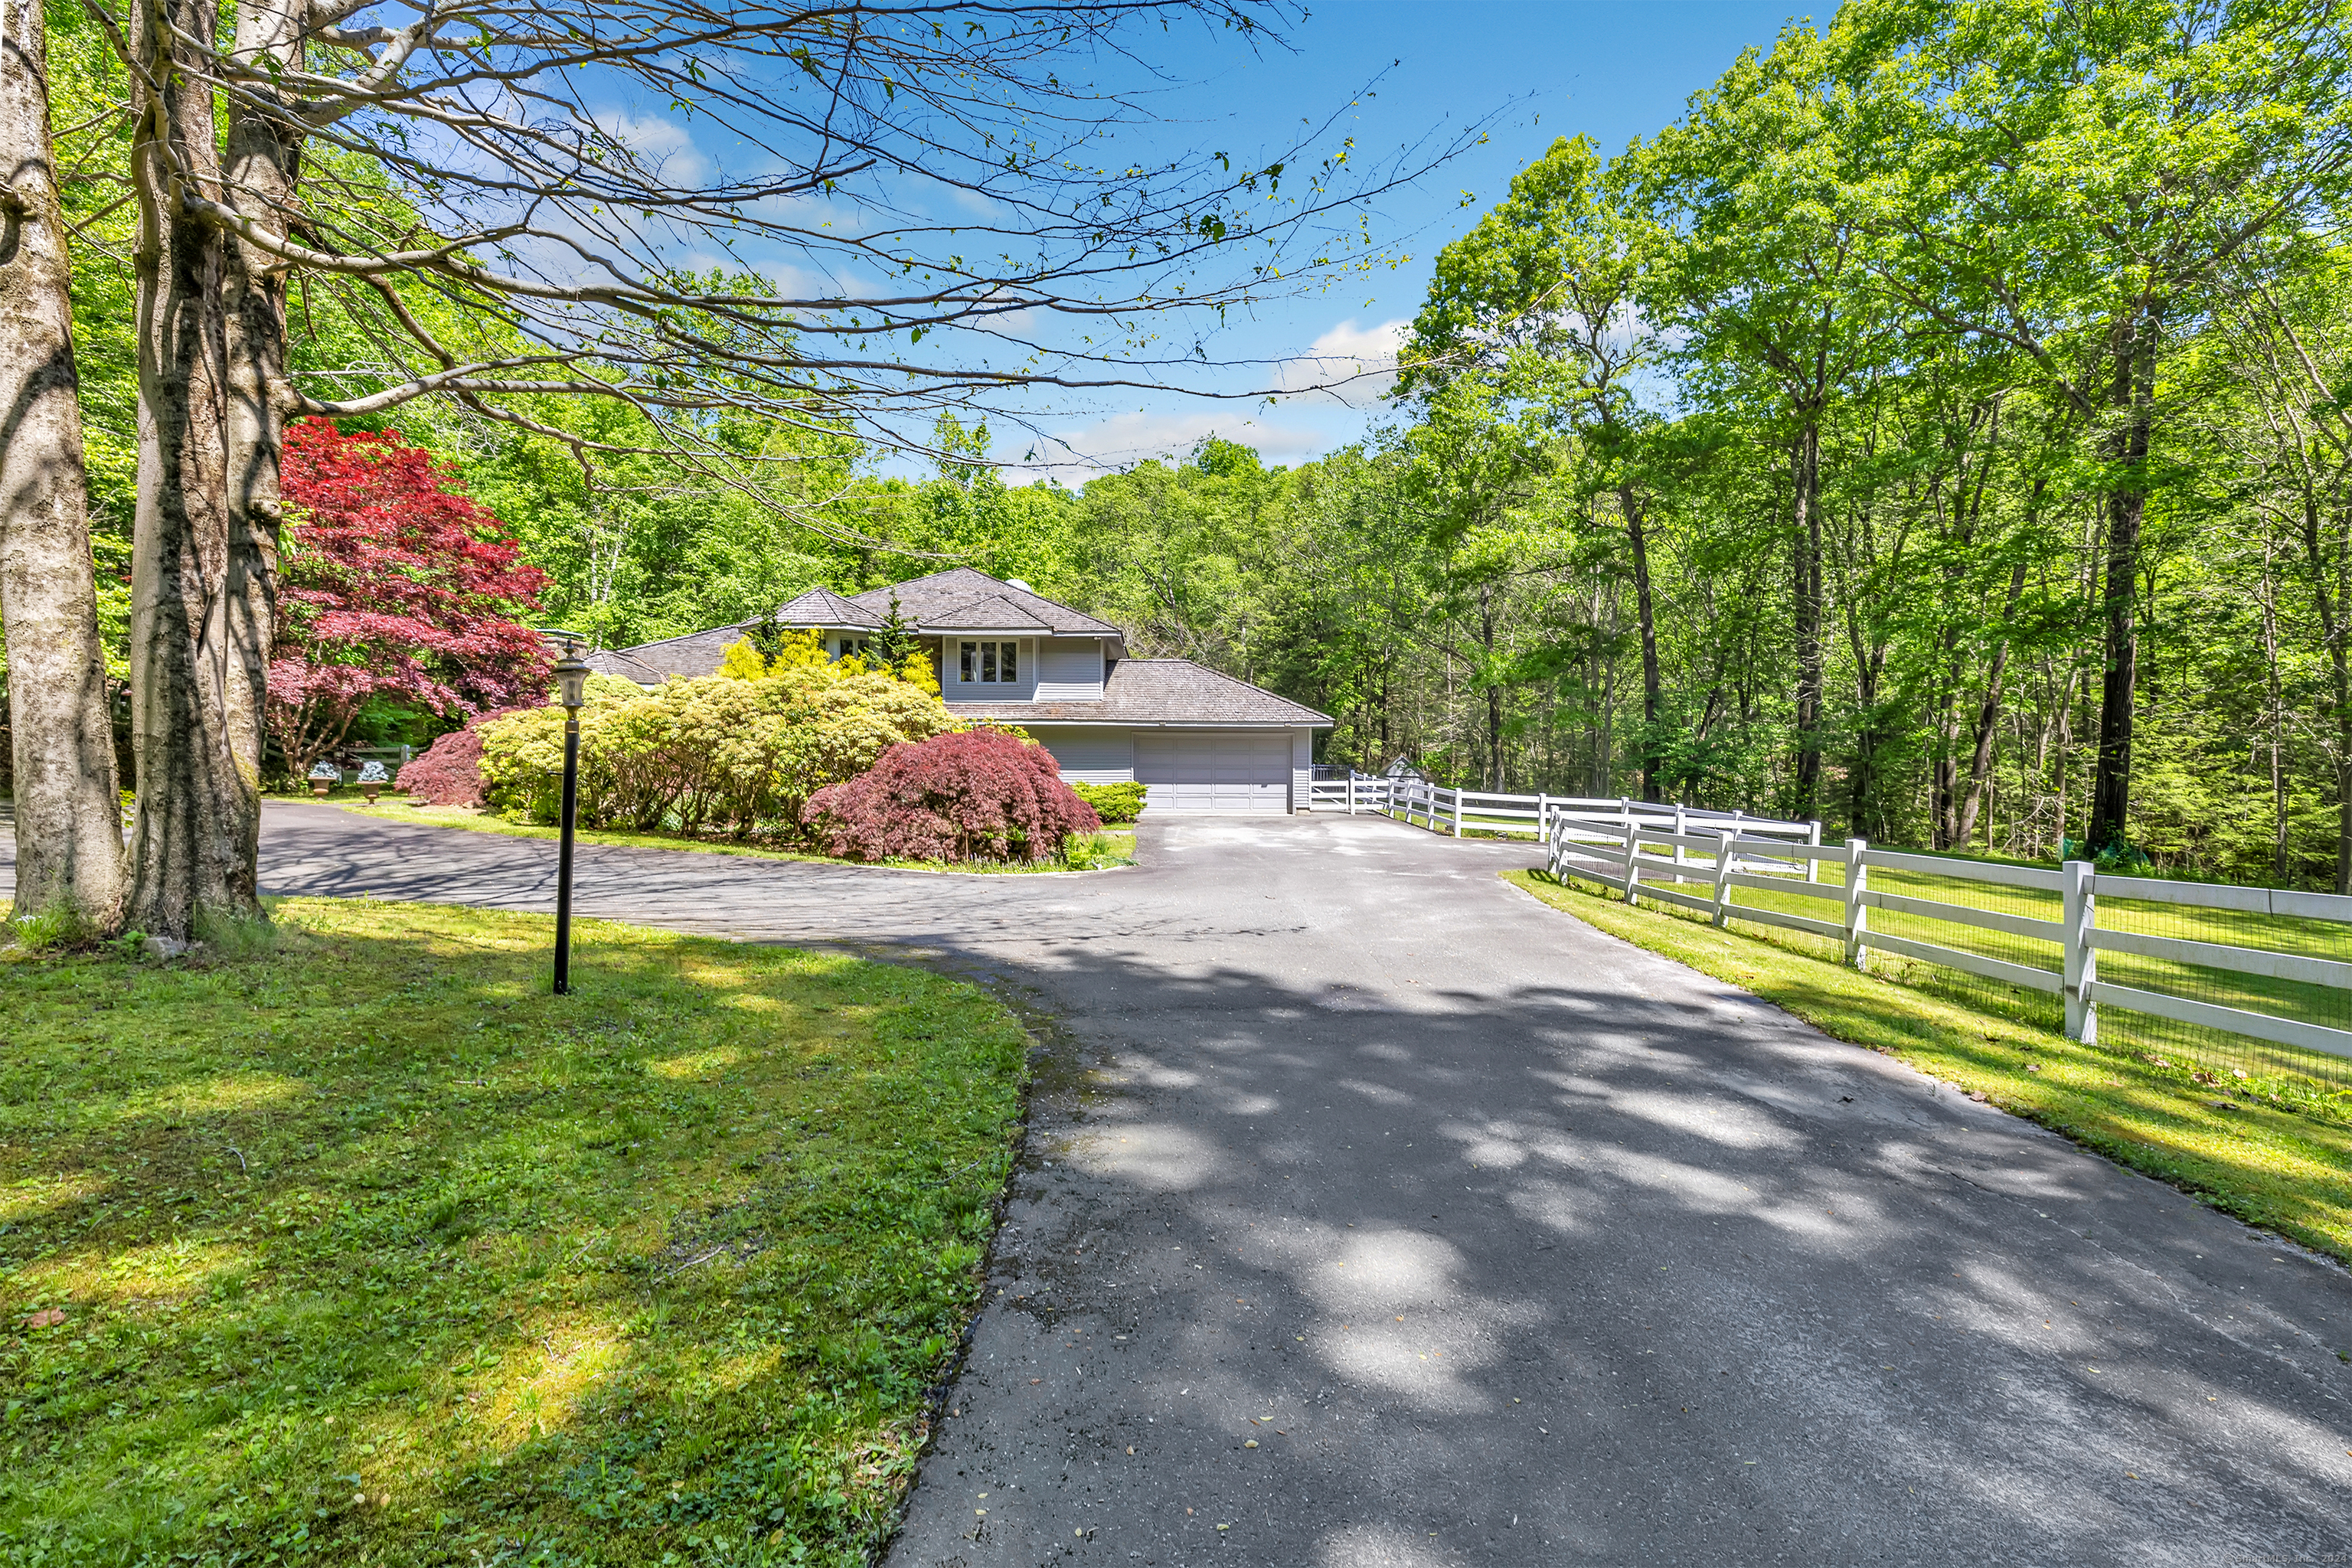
(1503, 1242)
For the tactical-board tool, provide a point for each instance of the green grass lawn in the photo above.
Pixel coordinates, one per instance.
(361, 1249)
(1086, 852)
(2275, 1151)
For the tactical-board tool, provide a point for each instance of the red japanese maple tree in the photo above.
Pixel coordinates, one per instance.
(397, 589)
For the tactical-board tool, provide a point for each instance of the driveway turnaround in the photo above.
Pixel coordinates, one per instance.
(1374, 1215)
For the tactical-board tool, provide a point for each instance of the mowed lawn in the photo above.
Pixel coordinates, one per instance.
(362, 1248)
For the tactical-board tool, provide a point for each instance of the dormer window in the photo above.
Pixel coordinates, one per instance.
(991, 663)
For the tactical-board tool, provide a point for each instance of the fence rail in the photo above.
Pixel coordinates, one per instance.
(2064, 954)
(2049, 941)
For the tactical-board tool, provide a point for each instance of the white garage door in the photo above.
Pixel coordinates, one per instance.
(1214, 770)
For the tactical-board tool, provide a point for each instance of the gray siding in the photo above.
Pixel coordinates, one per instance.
(1088, 756)
(1069, 669)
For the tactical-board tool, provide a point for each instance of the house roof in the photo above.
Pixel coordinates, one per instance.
(694, 655)
(1158, 691)
(995, 612)
(612, 661)
(823, 607)
(924, 599)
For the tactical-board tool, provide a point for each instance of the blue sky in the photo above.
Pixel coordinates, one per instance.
(1613, 69)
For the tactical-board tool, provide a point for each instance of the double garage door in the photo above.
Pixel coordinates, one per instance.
(1214, 770)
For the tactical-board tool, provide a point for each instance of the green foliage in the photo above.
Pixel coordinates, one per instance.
(1112, 802)
(368, 1249)
(1776, 462)
(720, 755)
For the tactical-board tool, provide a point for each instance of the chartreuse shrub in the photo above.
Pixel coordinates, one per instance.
(806, 649)
(367, 1250)
(978, 794)
(718, 755)
(1112, 802)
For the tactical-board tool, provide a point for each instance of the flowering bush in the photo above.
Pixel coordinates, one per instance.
(975, 795)
(398, 589)
(449, 773)
(719, 753)
(1112, 802)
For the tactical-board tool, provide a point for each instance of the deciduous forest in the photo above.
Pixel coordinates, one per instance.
(1941, 428)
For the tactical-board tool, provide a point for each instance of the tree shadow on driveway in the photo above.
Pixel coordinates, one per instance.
(1506, 1242)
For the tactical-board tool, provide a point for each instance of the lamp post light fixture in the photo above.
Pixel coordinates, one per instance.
(571, 687)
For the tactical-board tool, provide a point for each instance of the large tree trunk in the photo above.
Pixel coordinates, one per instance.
(1805, 561)
(264, 165)
(1988, 720)
(196, 835)
(2327, 592)
(2135, 399)
(1630, 499)
(69, 821)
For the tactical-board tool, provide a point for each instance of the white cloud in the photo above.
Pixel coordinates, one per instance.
(1349, 364)
(666, 146)
(1074, 457)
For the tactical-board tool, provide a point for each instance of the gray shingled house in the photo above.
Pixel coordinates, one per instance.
(1197, 740)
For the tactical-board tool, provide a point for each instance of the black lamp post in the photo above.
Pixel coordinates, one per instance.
(572, 683)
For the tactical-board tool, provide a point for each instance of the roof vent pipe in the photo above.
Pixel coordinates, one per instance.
(1017, 582)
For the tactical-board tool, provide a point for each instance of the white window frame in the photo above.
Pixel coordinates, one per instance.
(975, 655)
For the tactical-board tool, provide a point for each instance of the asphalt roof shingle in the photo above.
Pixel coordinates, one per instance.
(823, 607)
(1158, 691)
(612, 661)
(924, 598)
(996, 613)
(696, 654)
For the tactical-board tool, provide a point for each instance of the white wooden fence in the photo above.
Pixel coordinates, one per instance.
(1647, 851)
(1444, 810)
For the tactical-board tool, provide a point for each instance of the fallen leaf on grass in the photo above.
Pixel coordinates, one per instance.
(48, 1320)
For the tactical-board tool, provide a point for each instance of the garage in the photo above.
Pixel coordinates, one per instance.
(1214, 770)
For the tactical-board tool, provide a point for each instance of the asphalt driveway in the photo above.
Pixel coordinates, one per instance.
(1376, 1215)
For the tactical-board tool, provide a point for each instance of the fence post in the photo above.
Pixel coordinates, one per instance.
(1813, 838)
(1457, 811)
(1681, 825)
(1352, 792)
(1543, 812)
(1857, 913)
(1633, 847)
(1725, 856)
(2079, 885)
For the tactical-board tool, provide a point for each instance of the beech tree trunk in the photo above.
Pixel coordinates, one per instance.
(196, 835)
(69, 821)
(263, 168)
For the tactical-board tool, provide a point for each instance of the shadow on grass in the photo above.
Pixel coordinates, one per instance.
(368, 1246)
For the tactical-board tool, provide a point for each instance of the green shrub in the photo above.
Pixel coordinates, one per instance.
(715, 754)
(1112, 802)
